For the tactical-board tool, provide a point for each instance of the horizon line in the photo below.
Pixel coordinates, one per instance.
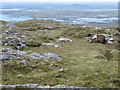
(61, 1)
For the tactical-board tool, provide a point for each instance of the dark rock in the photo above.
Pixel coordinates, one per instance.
(98, 38)
(88, 35)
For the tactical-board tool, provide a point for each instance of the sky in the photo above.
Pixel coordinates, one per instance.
(59, 0)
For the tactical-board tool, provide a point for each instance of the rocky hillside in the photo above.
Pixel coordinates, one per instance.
(49, 53)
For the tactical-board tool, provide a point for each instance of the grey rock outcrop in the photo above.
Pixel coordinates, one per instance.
(7, 53)
(51, 56)
(48, 56)
(36, 86)
(12, 38)
(4, 57)
(35, 55)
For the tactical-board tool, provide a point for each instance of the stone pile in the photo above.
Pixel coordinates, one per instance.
(102, 38)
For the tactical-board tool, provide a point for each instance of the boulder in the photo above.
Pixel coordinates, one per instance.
(52, 44)
(64, 40)
(98, 38)
(111, 41)
(107, 36)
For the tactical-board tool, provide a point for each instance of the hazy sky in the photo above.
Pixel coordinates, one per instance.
(60, 0)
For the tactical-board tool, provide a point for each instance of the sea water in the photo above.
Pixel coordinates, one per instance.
(70, 13)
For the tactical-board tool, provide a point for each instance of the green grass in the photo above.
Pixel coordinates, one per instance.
(85, 64)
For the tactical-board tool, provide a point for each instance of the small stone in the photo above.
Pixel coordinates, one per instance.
(25, 62)
(61, 69)
(5, 49)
